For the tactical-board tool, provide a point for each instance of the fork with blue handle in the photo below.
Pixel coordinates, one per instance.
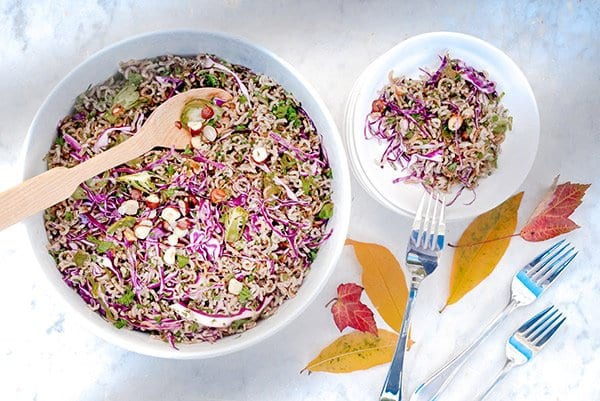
(527, 341)
(527, 285)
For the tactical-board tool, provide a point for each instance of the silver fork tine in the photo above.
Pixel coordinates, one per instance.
(553, 261)
(550, 333)
(425, 226)
(417, 223)
(525, 326)
(541, 324)
(545, 253)
(559, 270)
(433, 224)
(542, 264)
(441, 227)
(558, 264)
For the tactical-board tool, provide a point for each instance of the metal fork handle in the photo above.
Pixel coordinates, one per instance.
(392, 387)
(437, 383)
(507, 366)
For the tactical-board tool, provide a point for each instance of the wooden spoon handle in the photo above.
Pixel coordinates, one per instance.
(57, 184)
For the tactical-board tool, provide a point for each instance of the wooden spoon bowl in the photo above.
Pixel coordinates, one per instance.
(160, 130)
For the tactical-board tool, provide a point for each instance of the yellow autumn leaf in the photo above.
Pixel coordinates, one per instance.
(383, 281)
(481, 246)
(355, 351)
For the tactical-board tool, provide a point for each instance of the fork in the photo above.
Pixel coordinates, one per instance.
(527, 341)
(424, 245)
(527, 285)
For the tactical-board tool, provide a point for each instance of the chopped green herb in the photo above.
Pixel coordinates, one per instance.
(326, 211)
(158, 318)
(59, 140)
(242, 99)
(312, 255)
(241, 127)
(188, 151)
(127, 298)
(452, 167)
(68, 215)
(170, 169)
(329, 173)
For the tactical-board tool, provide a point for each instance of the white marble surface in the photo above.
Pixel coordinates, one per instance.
(46, 355)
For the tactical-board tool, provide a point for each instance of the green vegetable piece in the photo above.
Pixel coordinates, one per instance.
(60, 141)
(237, 324)
(127, 97)
(101, 246)
(108, 116)
(242, 99)
(128, 221)
(68, 215)
(127, 298)
(307, 184)
(141, 181)
(235, 222)
(119, 324)
(80, 258)
(211, 80)
(182, 261)
(245, 295)
(312, 255)
(188, 151)
(326, 211)
(135, 79)
(452, 167)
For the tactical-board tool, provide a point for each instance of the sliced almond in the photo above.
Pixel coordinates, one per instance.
(234, 287)
(455, 122)
(169, 256)
(196, 142)
(259, 154)
(142, 229)
(170, 214)
(129, 234)
(152, 201)
(210, 133)
(129, 207)
(183, 207)
(172, 239)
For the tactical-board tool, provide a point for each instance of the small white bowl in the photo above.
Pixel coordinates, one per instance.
(184, 42)
(517, 151)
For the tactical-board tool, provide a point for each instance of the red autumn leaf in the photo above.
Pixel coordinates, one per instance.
(551, 217)
(348, 311)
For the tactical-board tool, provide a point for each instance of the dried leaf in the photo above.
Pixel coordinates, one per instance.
(355, 351)
(476, 255)
(551, 217)
(383, 280)
(348, 311)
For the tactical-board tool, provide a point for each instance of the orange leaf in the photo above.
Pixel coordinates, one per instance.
(355, 351)
(551, 217)
(481, 247)
(383, 280)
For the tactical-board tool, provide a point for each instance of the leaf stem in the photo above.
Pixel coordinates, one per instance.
(329, 303)
(484, 242)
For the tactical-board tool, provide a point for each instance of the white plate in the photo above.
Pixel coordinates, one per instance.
(517, 152)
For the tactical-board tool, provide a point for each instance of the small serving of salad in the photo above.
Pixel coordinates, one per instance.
(441, 130)
(197, 244)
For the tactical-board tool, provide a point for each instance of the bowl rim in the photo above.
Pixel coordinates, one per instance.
(336, 242)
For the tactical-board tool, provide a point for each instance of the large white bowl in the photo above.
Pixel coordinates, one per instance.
(184, 42)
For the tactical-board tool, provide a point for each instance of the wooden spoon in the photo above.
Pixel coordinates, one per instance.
(57, 184)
